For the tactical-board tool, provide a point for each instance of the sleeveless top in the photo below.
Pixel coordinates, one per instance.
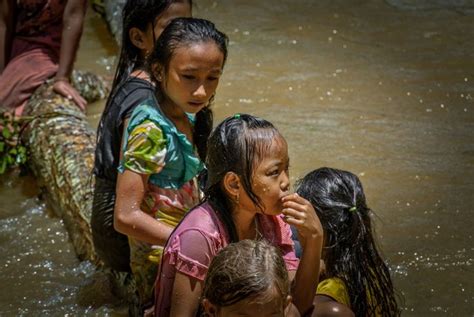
(109, 133)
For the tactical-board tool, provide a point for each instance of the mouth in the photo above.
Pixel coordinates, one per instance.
(196, 104)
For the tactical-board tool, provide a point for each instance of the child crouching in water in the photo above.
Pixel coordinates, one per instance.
(247, 278)
(246, 197)
(355, 274)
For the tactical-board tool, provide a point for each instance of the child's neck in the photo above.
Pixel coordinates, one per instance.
(178, 117)
(142, 74)
(245, 224)
(172, 111)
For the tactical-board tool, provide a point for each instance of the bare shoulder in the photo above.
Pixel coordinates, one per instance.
(325, 306)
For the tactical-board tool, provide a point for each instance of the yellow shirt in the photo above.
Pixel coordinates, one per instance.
(336, 289)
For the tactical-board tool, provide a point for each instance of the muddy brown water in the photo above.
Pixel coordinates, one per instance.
(381, 88)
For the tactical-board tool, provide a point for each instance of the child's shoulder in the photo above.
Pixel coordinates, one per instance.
(148, 110)
(202, 216)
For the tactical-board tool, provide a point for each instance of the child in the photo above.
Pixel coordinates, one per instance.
(355, 274)
(143, 22)
(247, 278)
(247, 190)
(39, 40)
(156, 183)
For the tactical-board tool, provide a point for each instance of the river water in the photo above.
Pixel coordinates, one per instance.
(381, 88)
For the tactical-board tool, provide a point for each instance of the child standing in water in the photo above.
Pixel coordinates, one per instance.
(247, 191)
(247, 278)
(143, 22)
(156, 184)
(355, 274)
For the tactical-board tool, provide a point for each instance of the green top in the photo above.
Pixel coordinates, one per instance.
(154, 146)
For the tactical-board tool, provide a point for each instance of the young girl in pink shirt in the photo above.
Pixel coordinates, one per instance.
(246, 197)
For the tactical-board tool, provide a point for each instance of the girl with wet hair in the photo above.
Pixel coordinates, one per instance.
(156, 183)
(143, 22)
(248, 278)
(355, 274)
(247, 197)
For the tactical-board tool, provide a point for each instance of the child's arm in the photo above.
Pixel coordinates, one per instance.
(7, 25)
(129, 219)
(186, 295)
(300, 213)
(73, 20)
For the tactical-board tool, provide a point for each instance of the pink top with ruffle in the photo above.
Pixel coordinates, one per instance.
(198, 238)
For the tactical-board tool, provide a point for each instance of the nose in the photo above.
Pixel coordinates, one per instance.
(200, 92)
(285, 182)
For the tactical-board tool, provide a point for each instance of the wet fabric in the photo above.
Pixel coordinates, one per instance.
(196, 241)
(153, 146)
(35, 51)
(147, 124)
(111, 126)
(111, 246)
(336, 289)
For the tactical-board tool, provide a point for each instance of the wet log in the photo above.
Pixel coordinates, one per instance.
(61, 155)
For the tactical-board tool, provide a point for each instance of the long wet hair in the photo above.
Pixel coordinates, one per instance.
(138, 14)
(350, 252)
(238, 144)
(185, 32)
(248, 269)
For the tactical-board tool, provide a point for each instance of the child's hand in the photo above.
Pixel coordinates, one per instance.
(300, 213)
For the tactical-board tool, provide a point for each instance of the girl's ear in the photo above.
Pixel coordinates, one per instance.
(209, 308)
(157, 71)
(232, 185)
(137, 37)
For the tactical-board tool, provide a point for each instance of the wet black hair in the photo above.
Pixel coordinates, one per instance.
(238, 144)
(350, 251)
(248, 269)
(138, 14)
(183, 32)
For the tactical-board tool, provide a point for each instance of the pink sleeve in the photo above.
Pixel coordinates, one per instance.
(289, 255)
(287, 245)
(191, 253)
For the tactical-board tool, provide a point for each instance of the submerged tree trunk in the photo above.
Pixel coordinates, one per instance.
(61, 148)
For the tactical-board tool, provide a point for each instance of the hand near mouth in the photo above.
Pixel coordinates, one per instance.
(300, 213)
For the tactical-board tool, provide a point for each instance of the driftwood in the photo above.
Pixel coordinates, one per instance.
(61, 148)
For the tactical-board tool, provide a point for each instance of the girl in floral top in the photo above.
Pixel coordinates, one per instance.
(164, 140)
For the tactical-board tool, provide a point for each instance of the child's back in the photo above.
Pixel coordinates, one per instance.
(353, 265)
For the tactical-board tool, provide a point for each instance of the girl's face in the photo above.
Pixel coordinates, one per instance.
(192, 76)
(270, 181)
(177, 9)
